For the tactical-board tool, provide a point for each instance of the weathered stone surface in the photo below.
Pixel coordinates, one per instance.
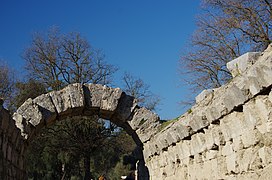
(240, 64)
(142, 116)
(207, 93)
(47, 107)
(93, 95)
(125, 108)
(102, 98)
(110, 100)
(70, 99)
(226, 135)
(21, 123)
(31, 113)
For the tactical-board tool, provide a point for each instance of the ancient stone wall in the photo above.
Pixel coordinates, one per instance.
(11, 144)
(17, 131)
(226, 135)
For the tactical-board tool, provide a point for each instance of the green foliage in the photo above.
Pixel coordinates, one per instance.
(189, 111)
(165, 123)
(60, 150)
(121, 169)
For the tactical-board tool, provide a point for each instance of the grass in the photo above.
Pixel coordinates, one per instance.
(165, 123)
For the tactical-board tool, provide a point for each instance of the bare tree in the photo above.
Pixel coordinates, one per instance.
(59, 59)
(140, 90)
(225, 30)
(55, 60)
(7, 82)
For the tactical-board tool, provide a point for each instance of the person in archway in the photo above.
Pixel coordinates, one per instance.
(131, 176)
(102, 177)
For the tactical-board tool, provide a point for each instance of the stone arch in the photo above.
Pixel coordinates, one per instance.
(88, 99)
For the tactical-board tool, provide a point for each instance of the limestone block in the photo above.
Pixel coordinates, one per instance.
(207, 93)
(124, 112)
(264, 108)
(231, 162)
(250, 138)
(211, 154)
(254, 86)
(248, 176)
(93, 95)
(46, 107)
(209, 170)
(259, 73)
(242, 63)
(198, 122)
(266, 173)
(185, 149)
(143, 117)
(222, 167)
(218, 136)
(265, 155)
(248, 159)
(169, 171)
(213, 113)
(181, 172)
(160, 143)
(170, 138)
(171, 154)
(233, 97)
(226, 130)
(182, 131)
(70, 99)
(164, 161)
(192, 171)
(209, 139)
(101, 98)
(25, 127)
(237, 144)
(198, 143)
(147, 131)
(250, 120)
(31, 113)
(199, 158)
(227, 150)
(214, 166)
(267, 72)
(109, 102)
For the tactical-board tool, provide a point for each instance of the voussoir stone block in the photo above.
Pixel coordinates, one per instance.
(68, 99)
(93, 95)
(109, 102)
(112, 103)
(31, 113)
(125, 108)
(142, 117)
(47, 107)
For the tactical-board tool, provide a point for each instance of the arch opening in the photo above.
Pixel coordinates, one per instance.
(88, 100)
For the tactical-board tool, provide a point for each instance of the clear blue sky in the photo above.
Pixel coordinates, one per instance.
(143, 37)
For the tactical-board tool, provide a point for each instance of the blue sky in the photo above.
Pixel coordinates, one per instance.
(143, 37)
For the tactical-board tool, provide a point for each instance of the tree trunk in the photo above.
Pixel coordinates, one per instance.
(87, 166)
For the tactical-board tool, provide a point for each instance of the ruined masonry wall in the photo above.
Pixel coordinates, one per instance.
(226, 135)
(11, 158)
